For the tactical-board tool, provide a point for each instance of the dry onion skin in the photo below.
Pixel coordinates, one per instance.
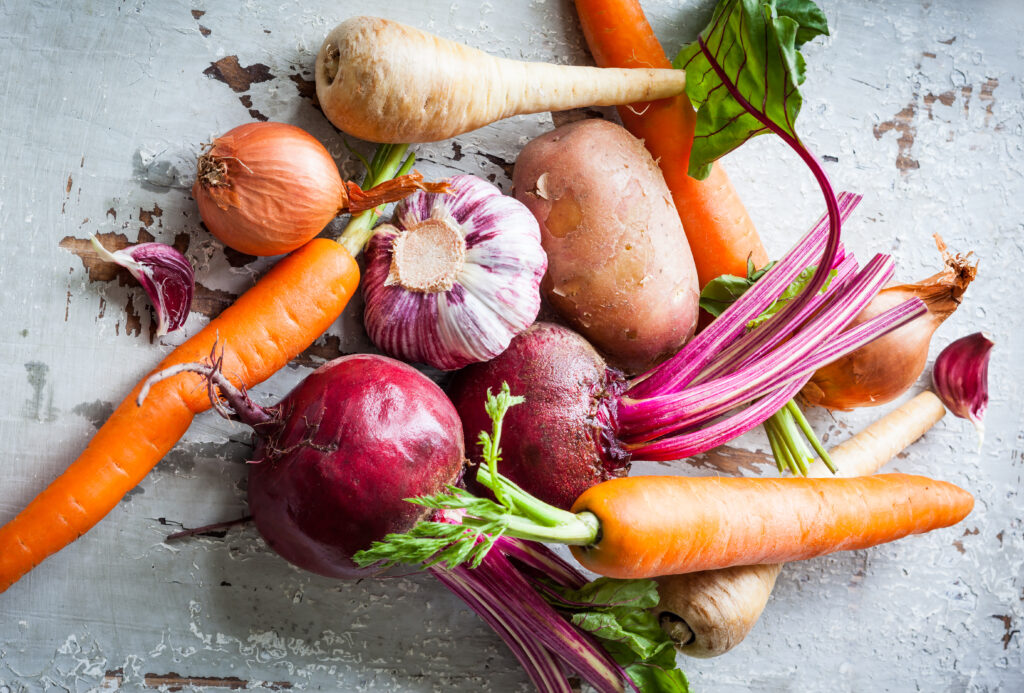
(268, 188)
(887, 367)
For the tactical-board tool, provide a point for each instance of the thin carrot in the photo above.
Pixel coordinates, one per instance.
(271, 323)
(265, 328)
(707, 613)
(720, 232)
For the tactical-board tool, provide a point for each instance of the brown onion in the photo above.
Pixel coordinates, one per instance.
(887, 367)
(267, 188)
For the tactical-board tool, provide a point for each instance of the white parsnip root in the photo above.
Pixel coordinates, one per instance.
(708, 613)
(386, 82)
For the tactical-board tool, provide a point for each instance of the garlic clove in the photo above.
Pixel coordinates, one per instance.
(961, 378)
(164, 273)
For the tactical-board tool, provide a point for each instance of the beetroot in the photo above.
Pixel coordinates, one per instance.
(563, 441)
(336, 457)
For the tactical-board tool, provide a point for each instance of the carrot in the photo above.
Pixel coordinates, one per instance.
(720, 232)
(707, 613)
(652, 526)
(271, 323)
(265, 328)
(386, 82)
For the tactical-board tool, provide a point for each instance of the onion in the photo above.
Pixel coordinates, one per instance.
(267, 188)
(887, 367)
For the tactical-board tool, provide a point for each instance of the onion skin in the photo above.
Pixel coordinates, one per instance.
(267, 188)
(889, 366)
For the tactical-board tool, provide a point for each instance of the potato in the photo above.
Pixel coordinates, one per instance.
(620, 270)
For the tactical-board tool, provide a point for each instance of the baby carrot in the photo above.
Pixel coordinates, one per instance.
(721, 235)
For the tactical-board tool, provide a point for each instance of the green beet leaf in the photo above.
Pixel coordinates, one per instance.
(618, 613)
(744, 71)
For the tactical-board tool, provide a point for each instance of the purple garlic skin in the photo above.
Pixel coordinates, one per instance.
(454, 277)
(961, 378)
(165, 274)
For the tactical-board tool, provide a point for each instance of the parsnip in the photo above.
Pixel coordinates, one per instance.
(386, 82)
(710, 612)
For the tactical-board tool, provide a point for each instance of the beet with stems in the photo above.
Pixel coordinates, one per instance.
(565, 441)
(585, 422)
(335, 459)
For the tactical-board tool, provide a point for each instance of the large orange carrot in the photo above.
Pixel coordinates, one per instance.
(267, 326)
(717, 225)
(651, 526)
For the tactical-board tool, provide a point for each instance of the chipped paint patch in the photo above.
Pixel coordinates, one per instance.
(734, 461)
(95, 412)
(229, 71)
(903, 124)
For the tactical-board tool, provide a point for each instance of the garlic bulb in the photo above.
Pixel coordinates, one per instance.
(455, 276)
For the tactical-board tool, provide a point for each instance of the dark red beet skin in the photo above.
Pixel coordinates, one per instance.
(561, 441)
(346, 446)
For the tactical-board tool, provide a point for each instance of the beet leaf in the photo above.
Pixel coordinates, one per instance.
(743, 74)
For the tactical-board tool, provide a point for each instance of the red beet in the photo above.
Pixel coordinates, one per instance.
(562, 440)
(336, 457)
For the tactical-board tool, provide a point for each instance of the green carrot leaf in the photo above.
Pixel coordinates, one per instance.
(744, 70)
(496, 407)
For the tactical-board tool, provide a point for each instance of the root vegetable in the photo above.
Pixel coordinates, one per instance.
(386, 82)
(883, 370)
(708, 613)
(584, 423)
(336, 457)
(564, 442)
(267, 188)
(266, 327)
(620, 270)
(643, 527)
(271, 323)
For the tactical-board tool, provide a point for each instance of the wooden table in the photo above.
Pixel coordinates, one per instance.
(917, 105)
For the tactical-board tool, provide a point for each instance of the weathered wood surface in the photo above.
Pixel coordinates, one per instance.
(103, 106)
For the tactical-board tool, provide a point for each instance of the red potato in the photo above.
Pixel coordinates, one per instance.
(620, 270)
